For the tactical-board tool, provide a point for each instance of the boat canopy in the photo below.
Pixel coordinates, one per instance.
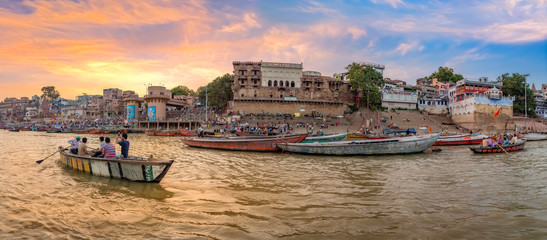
(392, 131)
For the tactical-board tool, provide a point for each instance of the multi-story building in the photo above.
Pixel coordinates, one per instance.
(467, 88)
(399, 99)
(286, 88)
(114, 105)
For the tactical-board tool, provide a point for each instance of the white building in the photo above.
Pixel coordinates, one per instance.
(275, 74)
(395, 99)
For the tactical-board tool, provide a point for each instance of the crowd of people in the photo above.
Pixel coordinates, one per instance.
(500, 140)
(107, 149)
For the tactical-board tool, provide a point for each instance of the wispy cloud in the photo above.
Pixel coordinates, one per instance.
(403, 48)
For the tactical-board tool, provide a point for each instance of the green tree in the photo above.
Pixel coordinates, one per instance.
(183, 90)
(219, 91)
(514, 85)
(368, 81)
(445, 74)
(50, 93)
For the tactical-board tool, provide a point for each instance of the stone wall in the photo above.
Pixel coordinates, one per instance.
(332, 109)
(482, 120)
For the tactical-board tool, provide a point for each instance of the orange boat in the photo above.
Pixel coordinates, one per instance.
(245, 144)
(165, 133)
(150, 132)
(187, 132)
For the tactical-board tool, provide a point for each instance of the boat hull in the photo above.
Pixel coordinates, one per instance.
(328, 138)
(132, 169)
(401, 145)
(244, 144)
(535, 136)
(454, 141)
(510, 148)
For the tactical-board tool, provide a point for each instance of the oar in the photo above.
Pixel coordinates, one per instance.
(500, 147)
(40, 161)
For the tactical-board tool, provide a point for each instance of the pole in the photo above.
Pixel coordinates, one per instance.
(525, 106)
(206, 107)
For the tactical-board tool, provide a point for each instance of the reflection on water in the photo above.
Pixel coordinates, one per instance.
(212, 194)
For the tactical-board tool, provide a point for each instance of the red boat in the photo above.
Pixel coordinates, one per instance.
(244, 144)
(150, 132)
(498, 149)
(166, 133)
(466, 140)
(187, 132)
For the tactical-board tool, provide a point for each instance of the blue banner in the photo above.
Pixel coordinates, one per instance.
(130, 112)
(152, 113)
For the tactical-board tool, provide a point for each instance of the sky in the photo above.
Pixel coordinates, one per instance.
(84, 46)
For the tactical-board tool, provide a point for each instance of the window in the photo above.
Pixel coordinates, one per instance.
(286, 83)
(269, 83)
(292, 84)
(275, 83)
(242, 95)
(281, 83)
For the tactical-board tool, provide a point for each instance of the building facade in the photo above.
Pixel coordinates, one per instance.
(285, 88)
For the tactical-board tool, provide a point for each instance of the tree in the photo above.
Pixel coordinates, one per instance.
(513, 85)
(368, 81)
(445, 74)
(183, 90)
(219, 91)
(50, 93)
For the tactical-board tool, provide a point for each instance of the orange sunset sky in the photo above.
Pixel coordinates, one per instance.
(84, 46)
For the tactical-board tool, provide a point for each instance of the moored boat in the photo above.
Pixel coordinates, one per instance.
(465, 140)
(133, 168)
(166, 133)
(325, 138)
(187, 132)
(361, 136)
(535, 136)
(245, 144)
(396, 145)
(499, 149)
(14, 130)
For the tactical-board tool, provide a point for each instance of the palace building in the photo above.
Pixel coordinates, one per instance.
(285, 88)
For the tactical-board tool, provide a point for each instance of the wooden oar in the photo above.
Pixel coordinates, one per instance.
(500, 147)
(40, 161)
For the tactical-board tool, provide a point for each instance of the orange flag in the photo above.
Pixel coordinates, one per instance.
(497, 113)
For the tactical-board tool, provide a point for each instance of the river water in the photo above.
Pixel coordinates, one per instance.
(212, 194)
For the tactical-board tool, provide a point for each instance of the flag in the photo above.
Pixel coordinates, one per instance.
(497, 113)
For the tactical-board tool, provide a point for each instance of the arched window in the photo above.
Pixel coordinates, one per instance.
(292, 84)
(275, 83)
(281, 83)
(269, 83)
(286, 83)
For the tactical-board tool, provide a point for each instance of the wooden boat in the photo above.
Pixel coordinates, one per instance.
(133, 168)
(466, 140)
(396, 145)
(54, 130)
(187, 132)
(150, 132)
(14, 130)
(361, 136)
(325, 138)
(535, 136)
(245, 144)
(244, 133)
(509, 148)
(166, 133)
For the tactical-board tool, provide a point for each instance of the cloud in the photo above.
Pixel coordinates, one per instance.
(406, 47)
(393, 3)
(248, 21)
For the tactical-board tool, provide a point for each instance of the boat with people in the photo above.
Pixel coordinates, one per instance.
(461, 140)
(325, 138)
(269, 143)
(136, 169)
(395, 145)
(519, 145)
(535, 136)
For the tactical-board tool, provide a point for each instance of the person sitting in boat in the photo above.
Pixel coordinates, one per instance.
(490, 142)
(484, 143)
(506, 142)
(200, 131)
(109, 150)
(514, 139)
(122, 141)
(74, 145)
(82, 148)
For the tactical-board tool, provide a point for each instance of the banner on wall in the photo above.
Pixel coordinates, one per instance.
(130, 112)
(152, 113)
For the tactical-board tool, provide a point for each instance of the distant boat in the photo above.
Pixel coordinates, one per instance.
(497, 149)
(14, 130)
(396, 145)
(133, 168)
(187, 132)
(535, 136)
(462, 140)
(269, 143)
(166, 133)
(325, 138)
